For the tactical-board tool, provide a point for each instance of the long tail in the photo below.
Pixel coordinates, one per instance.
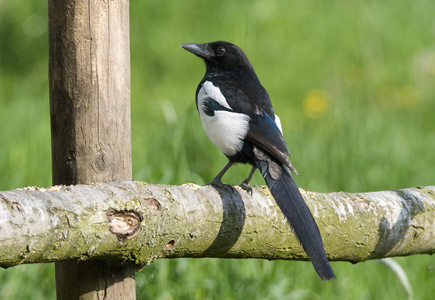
(290, 201)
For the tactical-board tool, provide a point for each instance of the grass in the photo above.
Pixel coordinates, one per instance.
(352, 82)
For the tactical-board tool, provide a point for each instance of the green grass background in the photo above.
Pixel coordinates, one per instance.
(352, 81)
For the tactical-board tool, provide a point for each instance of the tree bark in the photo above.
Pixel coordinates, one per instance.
(89, 70)
(128, 222)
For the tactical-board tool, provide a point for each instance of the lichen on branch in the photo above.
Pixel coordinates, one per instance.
(130, 222)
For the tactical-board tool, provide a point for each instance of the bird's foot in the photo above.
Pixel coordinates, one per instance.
(245, 185)
(218, 183)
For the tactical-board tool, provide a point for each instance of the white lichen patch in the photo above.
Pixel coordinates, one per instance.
(191, 186)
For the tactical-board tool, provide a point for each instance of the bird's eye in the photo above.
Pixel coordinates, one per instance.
(221, 50)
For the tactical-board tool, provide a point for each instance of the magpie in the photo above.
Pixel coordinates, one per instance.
(238, 117)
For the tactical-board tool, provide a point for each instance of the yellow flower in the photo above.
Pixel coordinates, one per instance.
(315, 104)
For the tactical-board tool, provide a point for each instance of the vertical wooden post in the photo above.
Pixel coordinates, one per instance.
(89, 70)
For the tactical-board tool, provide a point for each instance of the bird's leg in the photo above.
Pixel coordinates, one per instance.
(217, 181)
(245, 184)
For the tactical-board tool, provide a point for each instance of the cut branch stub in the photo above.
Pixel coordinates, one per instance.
(124, 224)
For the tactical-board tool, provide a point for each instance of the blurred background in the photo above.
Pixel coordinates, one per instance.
(352, 81)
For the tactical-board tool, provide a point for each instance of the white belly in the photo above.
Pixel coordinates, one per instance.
(226, 129)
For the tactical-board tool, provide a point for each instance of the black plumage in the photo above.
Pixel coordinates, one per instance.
(238, 117)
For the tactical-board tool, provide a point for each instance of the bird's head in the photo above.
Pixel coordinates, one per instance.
(220, 56)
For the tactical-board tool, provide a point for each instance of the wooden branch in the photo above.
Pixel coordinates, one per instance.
(129, 222)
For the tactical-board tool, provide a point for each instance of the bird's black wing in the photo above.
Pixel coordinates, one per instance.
(250, 98)
(265, 134)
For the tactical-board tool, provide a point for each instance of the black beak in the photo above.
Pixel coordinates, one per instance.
(200, 50)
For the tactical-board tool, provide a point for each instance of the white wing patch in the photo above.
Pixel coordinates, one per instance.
(278, 123)
(226, 129)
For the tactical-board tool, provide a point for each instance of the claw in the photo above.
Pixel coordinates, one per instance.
(245, 184)
(246, 187)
